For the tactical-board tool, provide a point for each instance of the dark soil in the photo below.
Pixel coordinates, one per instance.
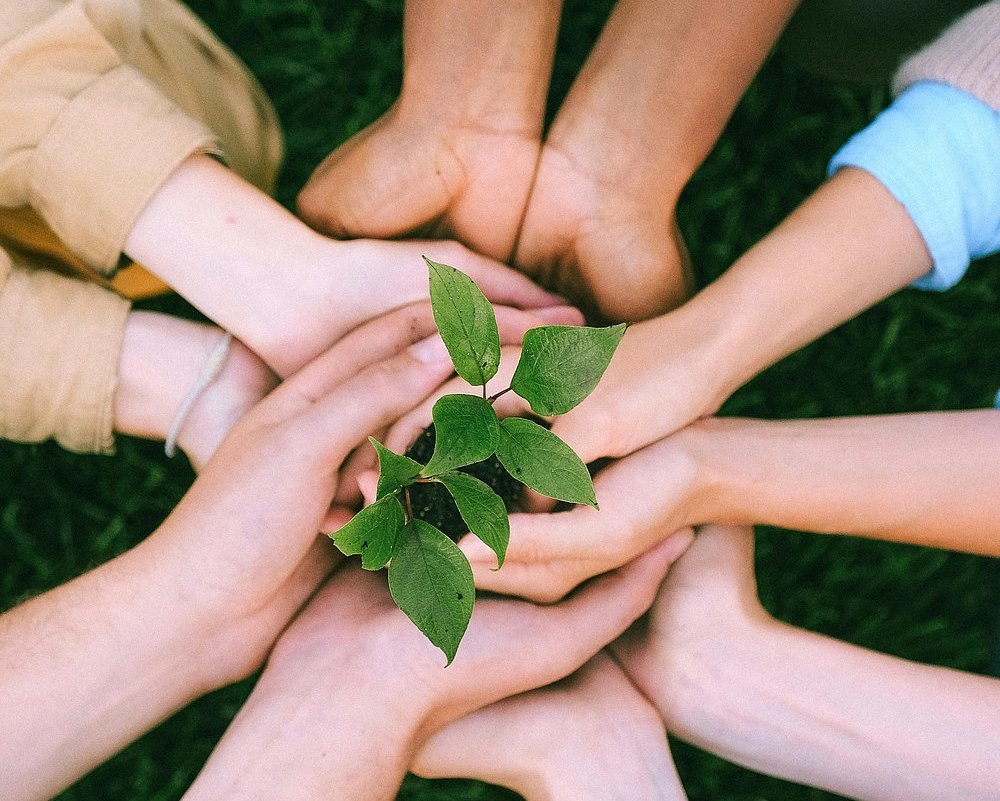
(432, 502)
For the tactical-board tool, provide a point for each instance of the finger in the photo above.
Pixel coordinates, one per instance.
(363, 459)
(336, 518)
(546, 579)
(501, 284)
(367, 344)
(368, 486)
(371, 400)
(600, 611)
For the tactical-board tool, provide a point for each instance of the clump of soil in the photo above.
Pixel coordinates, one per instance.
(433, 504)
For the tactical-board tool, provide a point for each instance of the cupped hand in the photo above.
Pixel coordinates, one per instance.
(592, 735)
(352, 688)
(645, 498)
(243, 541)
(592, 233)
(415, 173)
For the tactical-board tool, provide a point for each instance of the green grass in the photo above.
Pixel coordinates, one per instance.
(333, 67)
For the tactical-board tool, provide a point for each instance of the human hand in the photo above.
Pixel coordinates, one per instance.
(242, 545)
(592, 735)
(456, 154)
(551, 553)
(594, 234)
(704, 613)
(282, 289)
(354, 687)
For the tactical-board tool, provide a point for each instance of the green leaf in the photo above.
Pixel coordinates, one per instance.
(481, 509)
(466, 430)
(466, 321)
(394, 471)
(561, 364)
(544, 462)
(431, 581)
(372, 532)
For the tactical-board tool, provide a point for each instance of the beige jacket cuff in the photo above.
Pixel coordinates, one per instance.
(89, 139)
(60, 342)
(966, 56)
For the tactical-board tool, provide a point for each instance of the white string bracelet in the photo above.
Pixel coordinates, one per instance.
(209, 372)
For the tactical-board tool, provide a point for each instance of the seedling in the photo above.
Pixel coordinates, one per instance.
(429, 577)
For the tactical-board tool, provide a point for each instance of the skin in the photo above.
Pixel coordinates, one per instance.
(590, 736)
(326, 714)
(924, 479)
(285, 291)
(162, 357)
(590, 211)
(804, 707)
(852, 245)
(183, 613)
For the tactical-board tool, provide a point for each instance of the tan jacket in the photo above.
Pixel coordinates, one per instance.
(100, 100)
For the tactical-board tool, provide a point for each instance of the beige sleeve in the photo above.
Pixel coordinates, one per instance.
(966, 55)
(60, 340)
(85, 139)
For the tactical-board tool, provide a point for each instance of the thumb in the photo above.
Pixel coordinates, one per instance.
(373, 186)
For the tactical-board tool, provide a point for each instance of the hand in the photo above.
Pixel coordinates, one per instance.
(594, 236)
(705, 610)
(285, 291)
(354, 688)
(242, 545)
(414, 172)
(456, 154)
(550, 553)
(592, 735)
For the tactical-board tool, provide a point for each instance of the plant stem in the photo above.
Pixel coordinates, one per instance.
(409, 505)
(492, 399)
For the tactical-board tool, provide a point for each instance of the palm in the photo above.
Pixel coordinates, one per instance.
(585, 234)
(409, 175)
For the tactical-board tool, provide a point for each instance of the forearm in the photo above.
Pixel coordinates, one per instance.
(929, 479)
(87, 668)
(497, 65)
(666, 76)
(809, 709)
(850, 245)
(241, 259)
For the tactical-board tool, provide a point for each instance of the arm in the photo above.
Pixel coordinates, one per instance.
(281, 288)
(821, 712)
(86, 668)
(848, 246)
(927, 479)
(456, 154)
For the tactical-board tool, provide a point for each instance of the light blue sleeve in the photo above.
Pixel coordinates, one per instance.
(937, 150)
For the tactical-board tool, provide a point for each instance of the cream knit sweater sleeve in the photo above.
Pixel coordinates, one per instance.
(966, 56)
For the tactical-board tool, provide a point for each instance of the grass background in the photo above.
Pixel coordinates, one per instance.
(331, 68)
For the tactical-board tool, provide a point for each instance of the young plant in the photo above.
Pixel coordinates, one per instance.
(429, 577)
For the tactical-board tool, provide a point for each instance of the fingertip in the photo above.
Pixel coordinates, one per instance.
(368, 485)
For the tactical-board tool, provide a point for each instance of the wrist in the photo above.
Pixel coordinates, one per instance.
(717, 460)
(332, 736)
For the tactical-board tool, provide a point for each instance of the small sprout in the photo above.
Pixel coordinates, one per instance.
(429, 577)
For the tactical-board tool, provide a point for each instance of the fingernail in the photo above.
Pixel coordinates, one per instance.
(430, 351)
